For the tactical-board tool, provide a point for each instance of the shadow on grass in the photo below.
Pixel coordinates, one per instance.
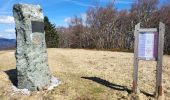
(114, 86)
(12, 76)
(147, 94)
(108, 84)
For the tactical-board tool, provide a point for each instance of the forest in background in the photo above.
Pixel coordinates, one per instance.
(108, 28)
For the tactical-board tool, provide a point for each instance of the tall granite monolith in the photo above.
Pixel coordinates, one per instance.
(31, 54)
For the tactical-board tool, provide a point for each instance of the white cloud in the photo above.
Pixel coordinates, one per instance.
(84, 16)
(6, 20)
(5, 12)
(10, 30)
(8, 33)
(67, 20)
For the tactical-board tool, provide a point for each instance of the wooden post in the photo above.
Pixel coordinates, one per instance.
(159, 60)
(135, 70)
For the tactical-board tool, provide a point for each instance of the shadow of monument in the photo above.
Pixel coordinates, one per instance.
(114, 86)
(12, 76)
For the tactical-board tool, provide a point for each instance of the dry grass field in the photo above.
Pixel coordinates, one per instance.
(92, 75)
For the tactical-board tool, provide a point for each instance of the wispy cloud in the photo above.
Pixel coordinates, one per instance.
(67, 20)
(80, 3)
(124, 1)
(8, 33)
(118, 1)
(9, 30)
(84, 18)
(82, 15)
(6, 20)
(101, 1)
(2, 13)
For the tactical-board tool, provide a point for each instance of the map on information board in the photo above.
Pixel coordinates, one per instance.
(147, 45)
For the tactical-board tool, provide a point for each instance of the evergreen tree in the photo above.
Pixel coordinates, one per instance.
(51, 34)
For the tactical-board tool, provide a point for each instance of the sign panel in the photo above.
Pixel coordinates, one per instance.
(148, 45)
(37, 26)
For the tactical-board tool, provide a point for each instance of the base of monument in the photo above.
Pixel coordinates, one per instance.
(54, 83)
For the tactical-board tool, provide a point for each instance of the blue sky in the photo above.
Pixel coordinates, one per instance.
(58, 11)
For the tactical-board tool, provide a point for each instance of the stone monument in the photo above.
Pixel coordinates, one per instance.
(31, 54)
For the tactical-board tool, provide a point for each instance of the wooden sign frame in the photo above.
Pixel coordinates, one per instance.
(159, 57)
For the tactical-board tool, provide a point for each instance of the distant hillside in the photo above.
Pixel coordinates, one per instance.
(7, 43)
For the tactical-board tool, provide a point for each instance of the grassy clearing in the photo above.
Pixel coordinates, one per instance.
(94, 75)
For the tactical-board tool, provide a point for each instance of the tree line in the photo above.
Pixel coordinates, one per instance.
(111, 29)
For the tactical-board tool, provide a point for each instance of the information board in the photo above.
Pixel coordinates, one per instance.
(148, 45)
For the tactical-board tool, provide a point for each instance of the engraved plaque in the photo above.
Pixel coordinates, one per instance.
(37, 26)
(36, 38)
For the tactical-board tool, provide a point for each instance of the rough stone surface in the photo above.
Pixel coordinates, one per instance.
(31, 55)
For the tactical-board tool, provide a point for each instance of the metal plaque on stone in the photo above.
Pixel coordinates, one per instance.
(37, 26)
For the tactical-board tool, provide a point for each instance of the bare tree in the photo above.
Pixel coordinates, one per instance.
(108, 28)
